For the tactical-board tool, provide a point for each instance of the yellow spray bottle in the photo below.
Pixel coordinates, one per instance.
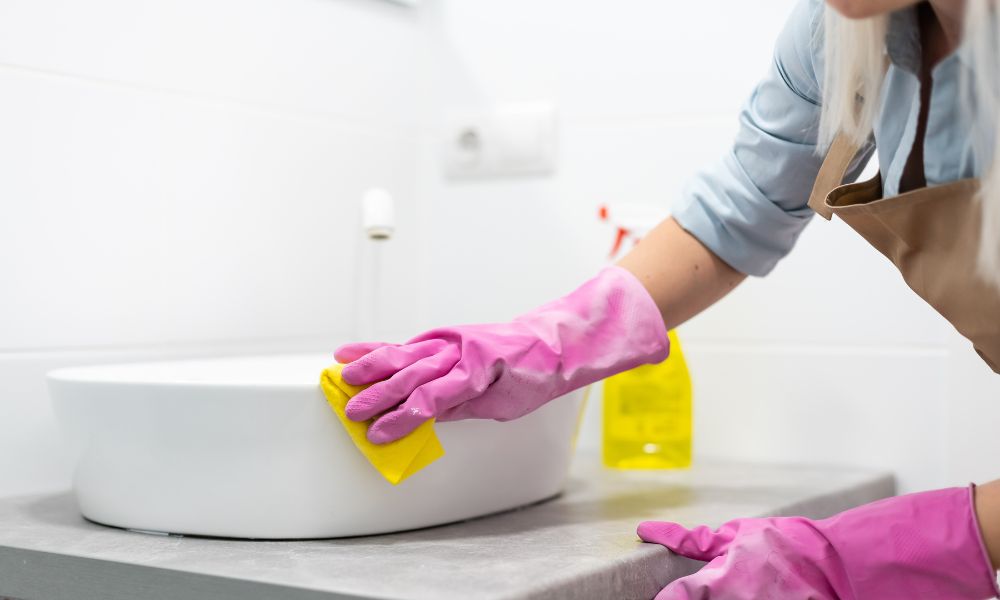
(647, 410)
(647, 415)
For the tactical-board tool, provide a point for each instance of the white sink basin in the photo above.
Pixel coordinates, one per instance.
(247, 447)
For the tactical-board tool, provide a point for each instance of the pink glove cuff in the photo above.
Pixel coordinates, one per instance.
(642, 314)
(983, 552)
(630, 317)
(923, 545)
(623, 325)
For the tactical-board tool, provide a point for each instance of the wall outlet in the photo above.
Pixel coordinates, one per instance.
(507, 140)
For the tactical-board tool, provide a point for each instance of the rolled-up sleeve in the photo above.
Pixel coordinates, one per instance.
(750, 207)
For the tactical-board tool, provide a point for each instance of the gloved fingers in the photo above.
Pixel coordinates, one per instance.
(700, 543)
(426, 402)
(697, 586)
(349, 353)
(396, 424)
(382, 363)
(384, 395)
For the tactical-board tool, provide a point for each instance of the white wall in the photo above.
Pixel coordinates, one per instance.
(828, 360)
(182, 177)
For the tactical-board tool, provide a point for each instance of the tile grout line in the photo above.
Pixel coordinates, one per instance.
(276, 344)
(289, 344)
(432, 127)
(822, 348)
(365, 125)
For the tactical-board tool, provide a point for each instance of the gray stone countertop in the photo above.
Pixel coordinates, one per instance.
(579, 545)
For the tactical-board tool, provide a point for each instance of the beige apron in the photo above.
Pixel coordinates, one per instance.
(930, 234)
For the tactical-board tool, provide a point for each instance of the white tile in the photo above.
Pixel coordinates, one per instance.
(607, 58)
(973, 399)
(497, 247)
(357, 59)
(133, 217)
(807, 405)
(31, 455)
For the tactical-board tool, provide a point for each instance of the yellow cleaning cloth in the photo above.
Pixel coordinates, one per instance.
(396, 460)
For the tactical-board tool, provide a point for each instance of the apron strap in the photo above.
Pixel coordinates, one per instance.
(831, 174)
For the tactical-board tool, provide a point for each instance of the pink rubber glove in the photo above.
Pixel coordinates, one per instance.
(923, 545)
(505, 370)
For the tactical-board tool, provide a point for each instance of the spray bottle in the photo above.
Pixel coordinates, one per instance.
(647, 410)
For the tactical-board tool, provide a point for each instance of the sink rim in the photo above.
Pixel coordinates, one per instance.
(155, 373)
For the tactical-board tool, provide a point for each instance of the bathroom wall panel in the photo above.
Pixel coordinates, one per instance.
(139, 217)
(607, 59)
(519, 241)
(852, 406)
(31, 455)
(350, 58)
(972, 396)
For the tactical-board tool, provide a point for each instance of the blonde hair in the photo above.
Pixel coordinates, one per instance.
(855, 58)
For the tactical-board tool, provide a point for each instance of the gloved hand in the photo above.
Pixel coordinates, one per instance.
(505, 370)
(925, 545)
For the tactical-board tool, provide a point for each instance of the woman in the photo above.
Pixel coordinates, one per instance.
(915, 82)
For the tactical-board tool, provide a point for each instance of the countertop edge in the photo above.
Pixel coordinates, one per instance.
(628, 578)
(27, 575)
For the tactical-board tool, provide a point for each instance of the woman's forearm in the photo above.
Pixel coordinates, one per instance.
(988, 514)
(683, 276)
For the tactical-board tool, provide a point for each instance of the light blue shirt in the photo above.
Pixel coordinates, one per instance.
(750, 207)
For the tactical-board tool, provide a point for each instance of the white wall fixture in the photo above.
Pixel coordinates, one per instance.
(507, 140)
(378, 214)
(378, 221)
